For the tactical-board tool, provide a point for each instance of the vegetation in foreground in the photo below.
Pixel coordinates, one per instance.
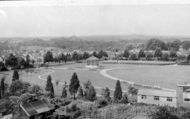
(81, 101)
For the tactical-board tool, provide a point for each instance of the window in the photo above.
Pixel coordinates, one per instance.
(156, 97)
(186, 99)
(169, 99)
(143, 96)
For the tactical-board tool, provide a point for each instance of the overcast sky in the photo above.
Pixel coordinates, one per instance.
(71, 20)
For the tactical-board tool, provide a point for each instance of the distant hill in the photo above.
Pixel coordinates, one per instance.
(104, 42)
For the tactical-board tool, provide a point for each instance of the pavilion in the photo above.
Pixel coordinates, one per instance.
(92, 62)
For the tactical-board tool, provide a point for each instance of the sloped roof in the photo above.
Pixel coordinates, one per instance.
(161, 93)
(36, 107)
(92, 58)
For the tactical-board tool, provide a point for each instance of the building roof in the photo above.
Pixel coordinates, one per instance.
(92, 58)
(161, 93)
(36, 107)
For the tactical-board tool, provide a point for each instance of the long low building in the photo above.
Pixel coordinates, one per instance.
(157, 97)
(178, 98)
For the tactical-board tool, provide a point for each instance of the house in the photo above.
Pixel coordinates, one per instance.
(183, 95)
(40, 109)
(157, 97)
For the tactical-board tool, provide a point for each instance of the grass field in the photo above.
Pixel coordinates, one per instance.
(166, 76)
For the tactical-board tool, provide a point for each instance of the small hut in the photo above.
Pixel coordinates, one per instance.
(92, 62)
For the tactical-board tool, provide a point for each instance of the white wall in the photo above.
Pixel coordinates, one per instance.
(161, 101)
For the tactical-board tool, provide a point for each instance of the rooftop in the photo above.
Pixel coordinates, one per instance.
(161, 93)
(36, 107)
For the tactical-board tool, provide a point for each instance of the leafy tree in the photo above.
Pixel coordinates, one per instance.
(2, 87)
(102, 54)
(141, 54)
(15, 75)
(16, 86)
(165, 57)
(91, 93)
(36, 89)
(174, 45)
(2, 67)
(49, 86)
(106, 93)
(21, 63)
(11, 61)
(118, 91)
(48, 57)
(75, 56)
(149, 56)
(132, 90)
(185, 45)
(95, 54)
(80, 92)
(126, 53)
(158, 53)
(152, 44)
(173, 54)
(27, 60)
(74, 84)
(86, 86)
(64, 92)
(132, 56)
(125, 99)
(86, 55)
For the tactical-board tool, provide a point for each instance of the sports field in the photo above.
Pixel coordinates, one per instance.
(166, 76)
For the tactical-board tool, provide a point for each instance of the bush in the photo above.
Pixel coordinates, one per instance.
(164, 112)
(101, 103)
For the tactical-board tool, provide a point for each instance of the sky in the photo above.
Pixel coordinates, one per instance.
(94, 19)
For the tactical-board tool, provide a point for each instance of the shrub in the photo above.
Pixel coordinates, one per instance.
(101, 103)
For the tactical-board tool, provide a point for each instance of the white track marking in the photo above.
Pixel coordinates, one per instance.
(104, 73)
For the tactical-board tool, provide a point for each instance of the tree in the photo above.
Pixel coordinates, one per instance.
(74, 84)
(27, 60)
(152, 44)
(49, 86)
(141, 54)
(86, 55)
(158, 53)
(132, 90)
(16, 86)
(106, 93)
(95, 54)
(36, 89)
(173, 54)
(102, 54)
(126, 53)
(165, 56)
(91, 93)
(118, 91)
(11, 61)
(86, 86)
(15, 75)
(75, 56)
(48, 57)
(149, 56)
(80, 92)
(125, 99)
(64, 92)
(174, 45)
(2, 87)
(133, 56)
(21, 63)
